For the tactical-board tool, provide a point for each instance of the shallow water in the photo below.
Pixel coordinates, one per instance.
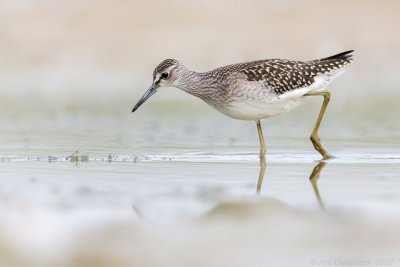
(75, 186)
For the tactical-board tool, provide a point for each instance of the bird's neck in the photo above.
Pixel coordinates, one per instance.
(195, 83)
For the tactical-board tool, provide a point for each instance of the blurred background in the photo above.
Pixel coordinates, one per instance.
(60, 54)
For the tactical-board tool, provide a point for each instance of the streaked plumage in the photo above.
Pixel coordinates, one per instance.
(251, 90)
(282, 75)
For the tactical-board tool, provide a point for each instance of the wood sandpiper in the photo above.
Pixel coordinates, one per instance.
(255, 90)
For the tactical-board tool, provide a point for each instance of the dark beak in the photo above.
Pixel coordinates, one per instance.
(146, 96)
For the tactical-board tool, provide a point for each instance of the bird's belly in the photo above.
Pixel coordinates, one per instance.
(261, 109)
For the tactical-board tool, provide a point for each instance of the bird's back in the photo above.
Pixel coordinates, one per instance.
(265, 88)
(281, 75)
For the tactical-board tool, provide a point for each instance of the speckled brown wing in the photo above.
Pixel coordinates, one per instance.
(282, 76)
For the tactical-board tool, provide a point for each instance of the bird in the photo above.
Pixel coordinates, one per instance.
(256, 90)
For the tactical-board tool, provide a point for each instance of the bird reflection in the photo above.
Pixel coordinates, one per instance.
(313, 179)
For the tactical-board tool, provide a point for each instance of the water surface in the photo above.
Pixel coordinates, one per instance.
(185, 186)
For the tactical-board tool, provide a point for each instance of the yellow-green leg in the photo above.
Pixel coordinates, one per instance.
(262, 142)
(314, 135)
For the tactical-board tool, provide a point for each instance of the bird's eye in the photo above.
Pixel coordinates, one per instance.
(164, 75)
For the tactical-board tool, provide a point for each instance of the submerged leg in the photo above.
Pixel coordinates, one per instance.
(262, 142)
(314, 135)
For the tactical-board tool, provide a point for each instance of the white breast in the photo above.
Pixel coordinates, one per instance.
(256, 110)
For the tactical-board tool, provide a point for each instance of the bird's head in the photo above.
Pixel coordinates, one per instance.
(165, 74)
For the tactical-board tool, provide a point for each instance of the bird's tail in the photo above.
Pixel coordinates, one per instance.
(344, 56)
(334, 62)
(332, 66)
